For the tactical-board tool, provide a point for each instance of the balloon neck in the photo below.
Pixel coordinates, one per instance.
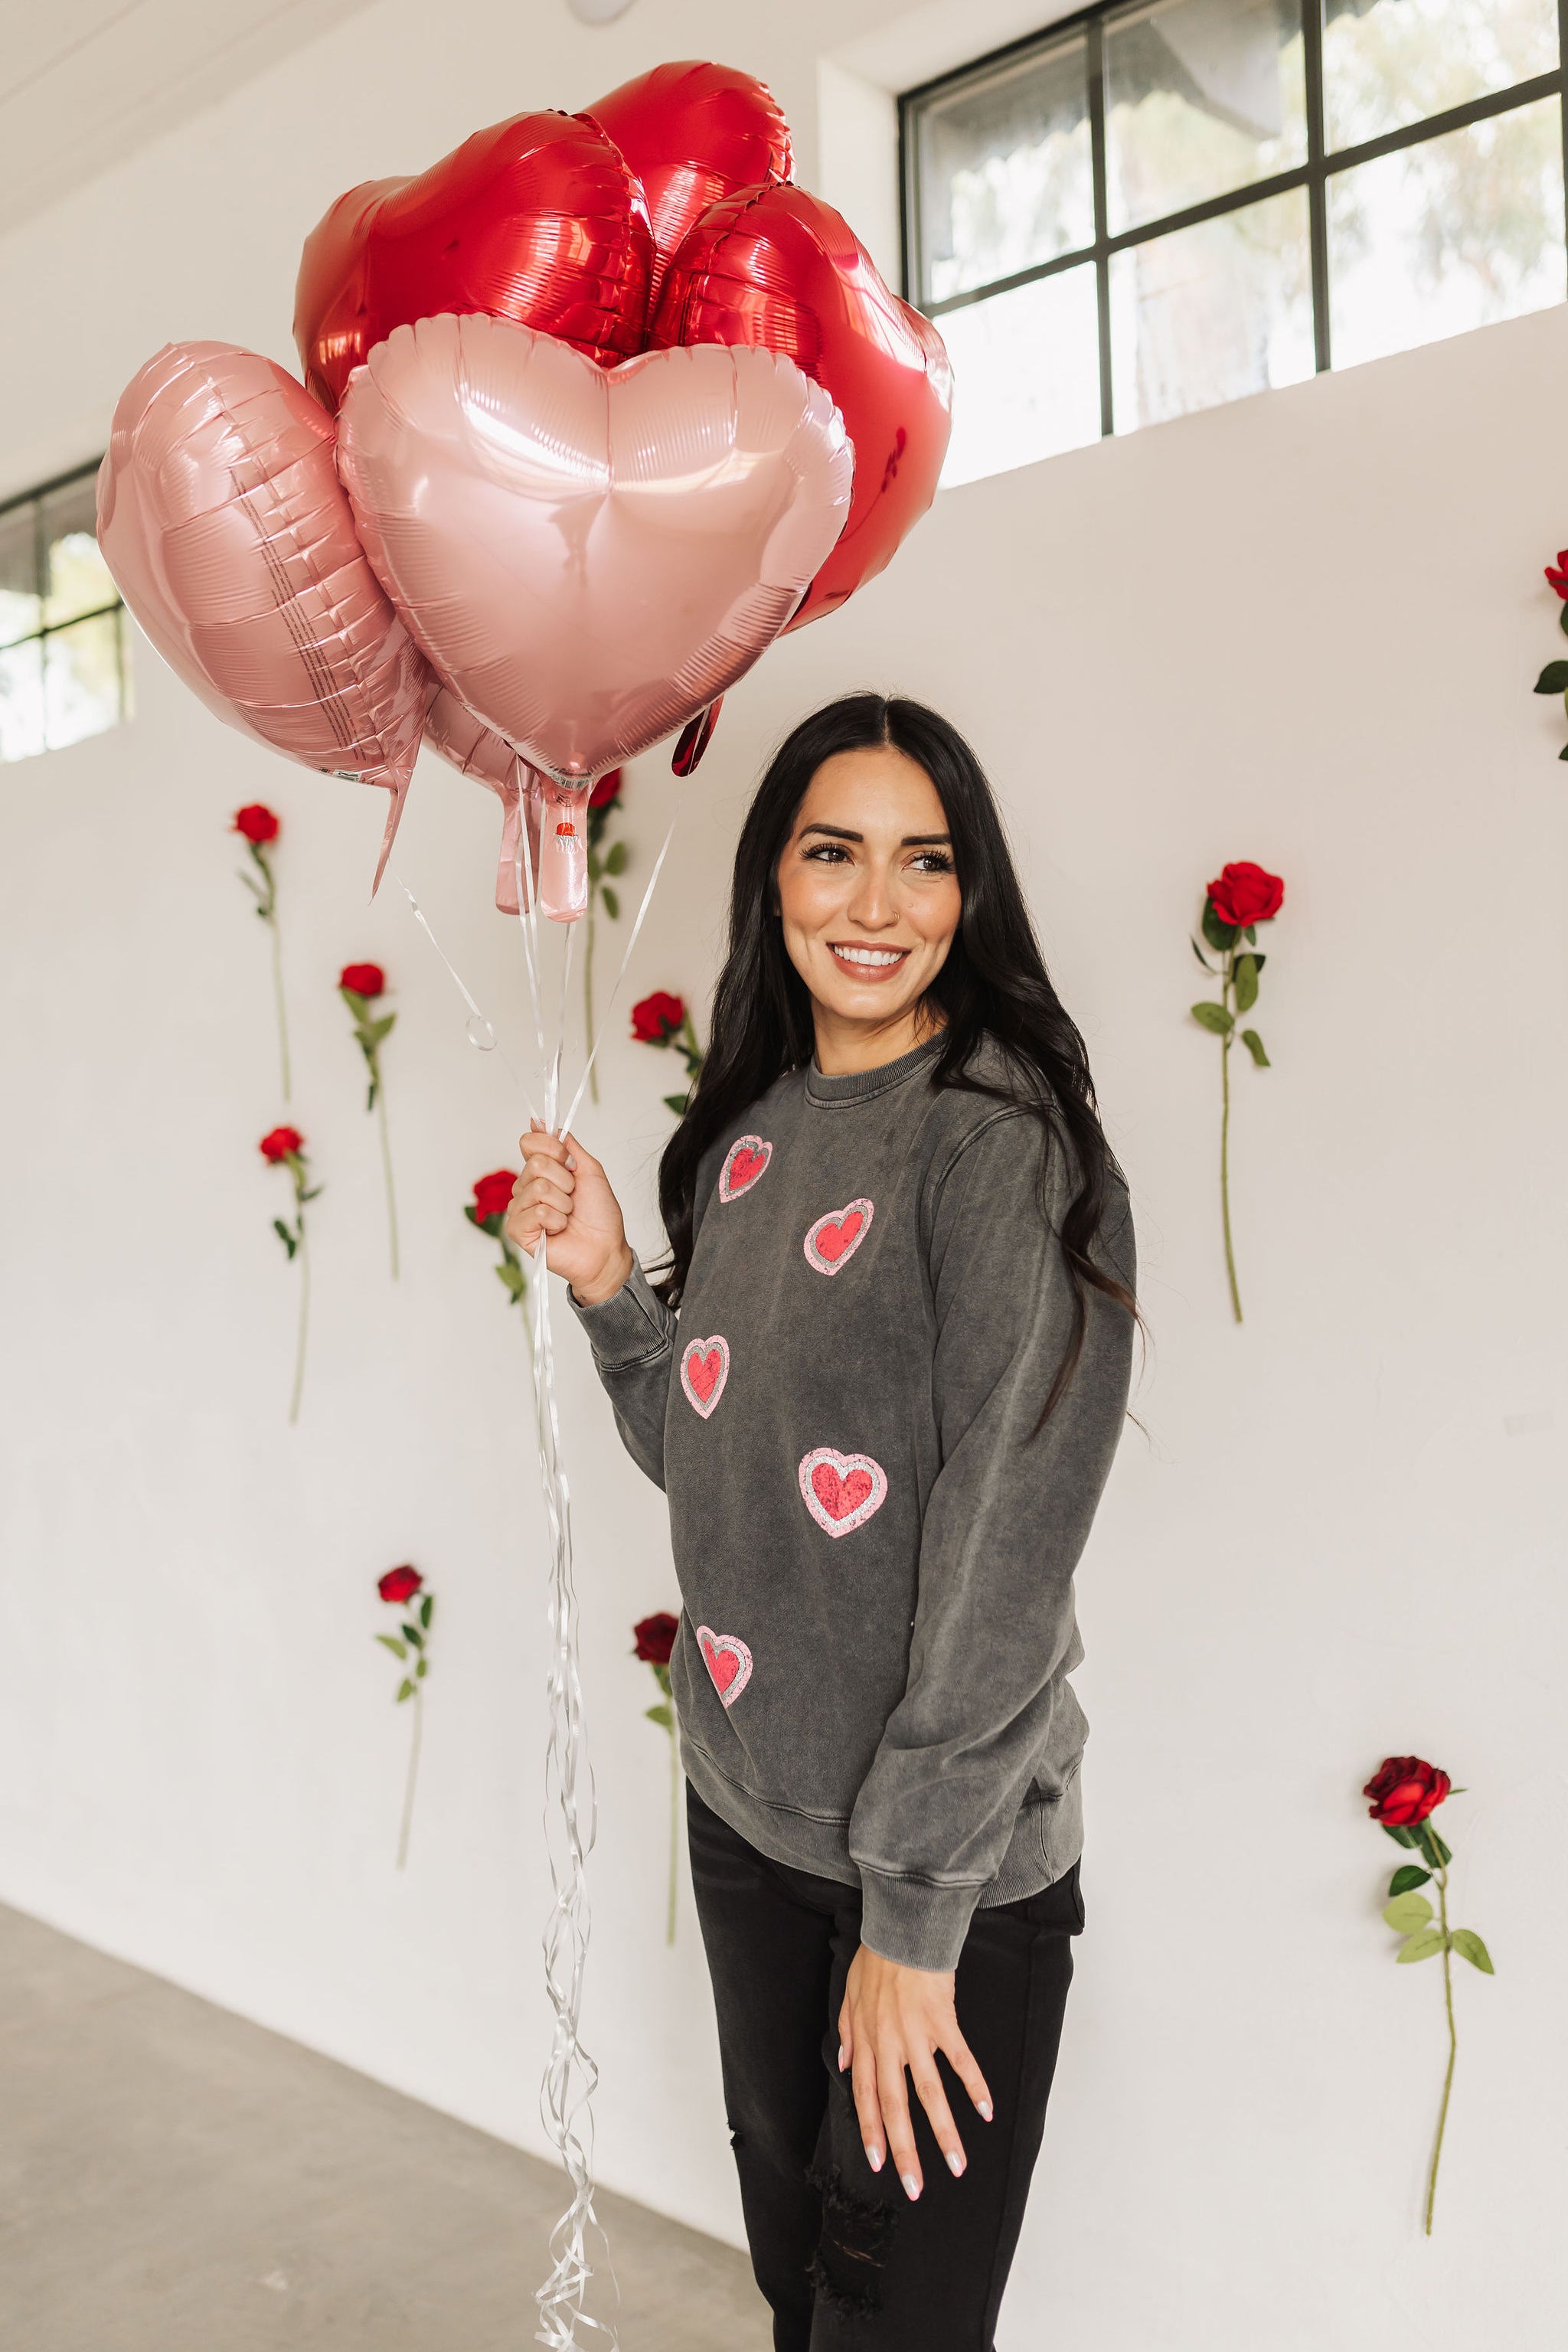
(561, 810)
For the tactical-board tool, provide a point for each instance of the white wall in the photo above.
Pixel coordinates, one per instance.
(1302, 629)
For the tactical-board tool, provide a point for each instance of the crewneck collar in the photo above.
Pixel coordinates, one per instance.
(859, 1086)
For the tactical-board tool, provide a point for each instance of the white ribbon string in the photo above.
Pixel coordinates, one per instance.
(481, 1030)
(571, 1819)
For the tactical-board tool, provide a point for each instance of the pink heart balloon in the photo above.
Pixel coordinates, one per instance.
(475, 749)
(222, 519)
(587, 557)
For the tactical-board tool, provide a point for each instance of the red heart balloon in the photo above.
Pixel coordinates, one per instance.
(693, 134)
(776, 267)
(538, 219)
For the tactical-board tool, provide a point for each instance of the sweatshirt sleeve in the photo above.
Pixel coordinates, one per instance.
(1006, 1521)
(632, 1338)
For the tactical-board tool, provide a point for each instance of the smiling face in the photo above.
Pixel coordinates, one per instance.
(869, 902)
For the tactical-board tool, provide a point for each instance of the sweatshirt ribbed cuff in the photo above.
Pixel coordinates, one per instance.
(912, 1922)
(628, 1328)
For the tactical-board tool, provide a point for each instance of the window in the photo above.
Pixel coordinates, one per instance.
(64, 672)
(1152, 208)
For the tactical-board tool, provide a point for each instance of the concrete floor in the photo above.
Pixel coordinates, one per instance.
(174, 2179)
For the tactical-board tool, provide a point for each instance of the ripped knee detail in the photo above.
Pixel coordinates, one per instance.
(853, 2246)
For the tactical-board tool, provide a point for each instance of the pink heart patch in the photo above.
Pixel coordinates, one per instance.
(743, 1164)
(704, 1369)
(841, 1490)
(728, 1660)
(835, 1238)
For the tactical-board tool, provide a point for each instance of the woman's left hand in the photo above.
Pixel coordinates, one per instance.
(895, 2019)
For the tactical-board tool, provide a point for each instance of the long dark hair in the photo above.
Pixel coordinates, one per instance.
(992, 984)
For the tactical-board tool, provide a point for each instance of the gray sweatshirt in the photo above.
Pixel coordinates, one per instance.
(874, 1541)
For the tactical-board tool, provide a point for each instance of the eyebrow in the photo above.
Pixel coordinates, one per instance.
(909, 841)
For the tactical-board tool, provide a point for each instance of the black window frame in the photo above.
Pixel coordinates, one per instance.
(36, 498)
(1320, 165)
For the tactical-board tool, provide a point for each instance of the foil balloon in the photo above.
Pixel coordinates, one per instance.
(537, 219)
(588, 557)
(773, 266)
(475, 749)
(221, 516)
(693, 134)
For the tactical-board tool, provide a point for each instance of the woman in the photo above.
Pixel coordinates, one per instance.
(902, 1260)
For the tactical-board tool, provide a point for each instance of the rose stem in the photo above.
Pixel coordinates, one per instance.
(674, 1826)
(1453, 2040)
(278, 992)
(387, 1164)
(413, 1776)
(589, 996)
(304, 1317)
(1224, 1131)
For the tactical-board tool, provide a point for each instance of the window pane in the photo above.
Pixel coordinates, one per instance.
(1004, 173)
(81, 680)
(78, 579)
(1201, 97)
(1025, 370)
(21, 700)
(1389, 62)
(1212, 313)
(1449, 234)
(18, 574)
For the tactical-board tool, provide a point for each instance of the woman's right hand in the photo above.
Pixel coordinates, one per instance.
(564, 1194)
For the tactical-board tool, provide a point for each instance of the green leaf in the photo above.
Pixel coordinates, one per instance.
(426, 1609)
(1407, 1912)
(1407, 1876)
(423, 1668)
(662, 1716)
(1423, 1946)
(612, 904)
(472, 1215)
(412, 1633)
(512, 1275)
(1201, 956)
(1564, 753)
(595, 865)
(380, 1029)
(355, 1002)
(677, 1103)
(1470, 1947)
(1218, 935)
(1253, 1045)
(1398, 1833)
(251, 882)
(1216, 1018)
(390, 1642)
(1429, 1843)
(1246, 982)
(1252, 934)
(284, 1235)
(1563, 625)
(616, 858)
(1554, 679)
(404, 1690)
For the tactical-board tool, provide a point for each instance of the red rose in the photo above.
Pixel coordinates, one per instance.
(1245, 894)
(608, 787)
(1559, 578)
(257, 823)
(1404, 1791)
(364, 979)
(281, 1142)
(399, 1584)
(656, 1637)
(658, 1017)
(492, 1194)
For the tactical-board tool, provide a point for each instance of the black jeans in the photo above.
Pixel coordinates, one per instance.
(847, 2262)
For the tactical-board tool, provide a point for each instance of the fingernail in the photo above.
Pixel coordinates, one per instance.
(985, 2109)
(841, 2058)
(955, 2162)
(912, 2186)
(873, 2158)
